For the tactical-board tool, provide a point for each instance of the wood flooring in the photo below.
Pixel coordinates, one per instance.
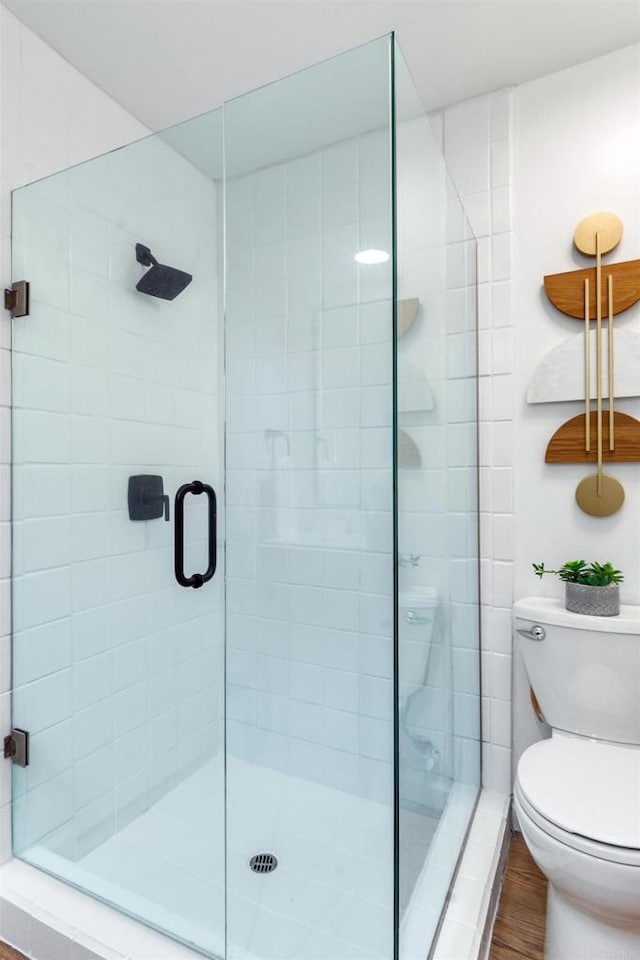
(8, 953)
(519, 929)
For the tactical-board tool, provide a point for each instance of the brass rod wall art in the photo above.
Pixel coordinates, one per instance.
(581, 294)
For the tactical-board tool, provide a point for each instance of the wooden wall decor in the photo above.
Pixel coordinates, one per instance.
(567, 444)
(603, 434)
(566, 290)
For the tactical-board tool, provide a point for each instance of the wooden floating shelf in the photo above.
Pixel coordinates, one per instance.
(567, 443)
(566, 290)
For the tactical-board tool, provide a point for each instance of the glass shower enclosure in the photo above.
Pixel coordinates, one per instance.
(245, 561)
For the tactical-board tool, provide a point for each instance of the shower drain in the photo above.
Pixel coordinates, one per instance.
(263, 863)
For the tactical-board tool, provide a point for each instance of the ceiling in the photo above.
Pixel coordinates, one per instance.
(167, 60)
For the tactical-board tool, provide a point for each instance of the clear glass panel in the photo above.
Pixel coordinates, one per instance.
(118, 670)
(310, 651)
(438, 603)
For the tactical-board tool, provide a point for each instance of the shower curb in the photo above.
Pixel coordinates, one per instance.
(496, 891)
(49, 920)
(467, 925)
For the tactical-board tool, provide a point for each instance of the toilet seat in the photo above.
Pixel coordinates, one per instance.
(584, 793)
(624, 856)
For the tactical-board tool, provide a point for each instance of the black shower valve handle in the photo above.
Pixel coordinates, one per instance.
(146, 498)
(154, 497)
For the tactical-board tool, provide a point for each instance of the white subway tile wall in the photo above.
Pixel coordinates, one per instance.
(439, 692)
(110, 665)
(133, 690)
(309, 461)
(477, 137)
(51, 117)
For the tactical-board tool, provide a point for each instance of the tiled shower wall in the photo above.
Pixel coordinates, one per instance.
(29, 67)
(110, 656)
(309, 468)
(309, 456)
(439, 693)
(476, 139)
(51, 117)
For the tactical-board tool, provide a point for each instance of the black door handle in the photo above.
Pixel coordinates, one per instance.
(197, 579)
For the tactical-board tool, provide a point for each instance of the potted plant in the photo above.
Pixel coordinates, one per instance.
(590, 588)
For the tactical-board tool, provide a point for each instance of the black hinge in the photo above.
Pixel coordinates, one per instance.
(16, 747)
(16, 299)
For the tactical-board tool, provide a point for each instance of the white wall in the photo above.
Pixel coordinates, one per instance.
(528, 167)
(576, 151)
(51, 117)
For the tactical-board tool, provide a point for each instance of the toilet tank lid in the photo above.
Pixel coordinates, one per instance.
(586, 787)
(552, 612)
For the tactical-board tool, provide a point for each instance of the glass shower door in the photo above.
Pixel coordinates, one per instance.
(117, 668)
(310, 546)
(278, 762)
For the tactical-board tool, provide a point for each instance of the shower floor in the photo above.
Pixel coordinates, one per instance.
(330, 897)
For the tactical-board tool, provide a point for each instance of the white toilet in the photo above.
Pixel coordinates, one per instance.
(577, 795)
(417, 611)
(420, 691)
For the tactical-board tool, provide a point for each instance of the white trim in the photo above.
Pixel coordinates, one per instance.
(466, 927)
(422, 916)
(38, 912)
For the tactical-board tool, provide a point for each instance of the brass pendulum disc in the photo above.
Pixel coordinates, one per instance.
(603, 504)
(608, 225)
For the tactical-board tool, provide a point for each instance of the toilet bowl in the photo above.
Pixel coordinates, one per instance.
(567, 797)
(577, 795)
(420, 691)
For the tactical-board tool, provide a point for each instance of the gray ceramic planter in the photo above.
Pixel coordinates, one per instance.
(595, 601)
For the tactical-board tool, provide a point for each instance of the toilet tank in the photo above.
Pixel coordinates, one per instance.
(585, 671)
(417, 610)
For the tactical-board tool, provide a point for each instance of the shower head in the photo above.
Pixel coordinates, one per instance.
(160, 281)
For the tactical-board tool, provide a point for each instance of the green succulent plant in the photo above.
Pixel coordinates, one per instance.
(579, 571)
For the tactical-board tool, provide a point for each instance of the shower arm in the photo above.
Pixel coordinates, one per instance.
(144, 256)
